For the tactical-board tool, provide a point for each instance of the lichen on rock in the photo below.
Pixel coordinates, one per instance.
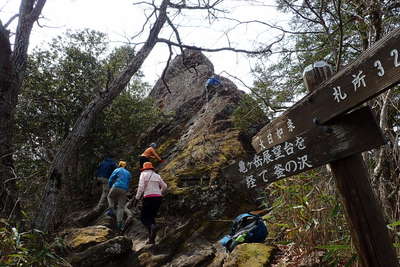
(79, 239)
(250, 254)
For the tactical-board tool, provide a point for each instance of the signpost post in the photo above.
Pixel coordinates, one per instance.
(316, 131)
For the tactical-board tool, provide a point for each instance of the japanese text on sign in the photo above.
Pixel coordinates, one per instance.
(263, 162)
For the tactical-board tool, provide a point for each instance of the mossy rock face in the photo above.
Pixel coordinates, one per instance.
(79, 239)
(250, 254)
(201, 160)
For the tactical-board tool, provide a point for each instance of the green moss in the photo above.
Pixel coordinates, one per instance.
(253, 254)
(164, 147)
(203, 156)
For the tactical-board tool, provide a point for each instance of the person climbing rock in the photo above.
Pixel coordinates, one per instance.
(212, 81)
(150, 152)
(151, 189)
(103, 172)
(119, 183)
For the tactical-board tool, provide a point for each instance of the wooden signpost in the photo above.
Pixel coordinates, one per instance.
(376, 70)
(317, 130)
(344, 136)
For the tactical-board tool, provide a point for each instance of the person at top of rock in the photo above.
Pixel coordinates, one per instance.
(119, 183)
(212, 81)
(151, 188)
(150, 152)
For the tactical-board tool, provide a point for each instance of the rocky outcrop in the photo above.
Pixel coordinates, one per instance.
(197, 138)
(183, 82)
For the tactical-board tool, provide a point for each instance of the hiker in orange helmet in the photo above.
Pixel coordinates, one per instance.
(150, 152)
(151, 189)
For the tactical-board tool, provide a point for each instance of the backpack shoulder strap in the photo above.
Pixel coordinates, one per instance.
(147, 182)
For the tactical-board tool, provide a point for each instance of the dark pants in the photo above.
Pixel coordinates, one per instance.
(142, 160)
(150, 208)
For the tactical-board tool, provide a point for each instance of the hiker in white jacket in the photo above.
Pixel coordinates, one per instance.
(151, 188)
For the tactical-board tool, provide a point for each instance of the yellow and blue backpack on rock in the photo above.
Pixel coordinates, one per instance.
(246, 228)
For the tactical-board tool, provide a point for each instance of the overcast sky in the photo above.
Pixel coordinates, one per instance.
(120, 19)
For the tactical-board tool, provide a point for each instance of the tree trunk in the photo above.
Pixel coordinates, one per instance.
(8, 98)
(382, 174)
(45, 217)
(12, 68)
(383, 123)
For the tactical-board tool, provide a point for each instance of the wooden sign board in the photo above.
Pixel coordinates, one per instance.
(348, 134)
(376, 70)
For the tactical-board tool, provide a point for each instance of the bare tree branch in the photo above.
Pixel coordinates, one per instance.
(205, 6)
(177, 36)
(166, 68)
(339, 54)
(192, 47)
(271, 26)
(266, 102)
(297, 12)
(144, 24)
(10, 20)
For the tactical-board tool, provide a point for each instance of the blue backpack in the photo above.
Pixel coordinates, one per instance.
(246, 228)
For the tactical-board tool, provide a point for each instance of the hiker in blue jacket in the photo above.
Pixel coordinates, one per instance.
(119, 183)
(103, 172)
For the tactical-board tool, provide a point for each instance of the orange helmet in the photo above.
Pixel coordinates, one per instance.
(147, 166)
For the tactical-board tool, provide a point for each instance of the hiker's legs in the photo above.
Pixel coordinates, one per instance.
(121, 206)
(150, 208)
(103, 199)
(147, 210)
(116, 201)
(111, 198)
(153, 233)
